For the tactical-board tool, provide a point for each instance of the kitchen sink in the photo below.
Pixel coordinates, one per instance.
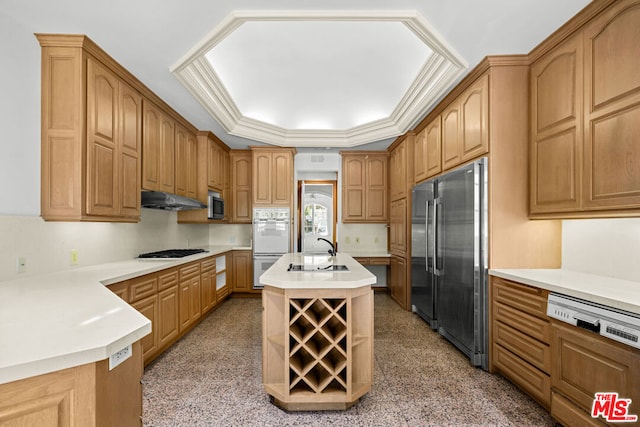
(329, 268)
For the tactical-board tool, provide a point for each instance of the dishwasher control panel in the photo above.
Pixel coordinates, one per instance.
(609, 322)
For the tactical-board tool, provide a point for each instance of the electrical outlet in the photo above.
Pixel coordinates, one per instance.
(376, 240)
(120, 356)
(21, 264)
(357, 240)
(347, 240)
(73, 258)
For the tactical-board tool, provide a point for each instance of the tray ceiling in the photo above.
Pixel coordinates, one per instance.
(319, 78)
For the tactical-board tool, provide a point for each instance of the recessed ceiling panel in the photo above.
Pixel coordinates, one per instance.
(335, 79)
(319, 74)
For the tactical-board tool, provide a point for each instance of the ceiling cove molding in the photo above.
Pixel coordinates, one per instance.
(435, 78)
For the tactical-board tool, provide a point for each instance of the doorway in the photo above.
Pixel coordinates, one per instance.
(317, 213)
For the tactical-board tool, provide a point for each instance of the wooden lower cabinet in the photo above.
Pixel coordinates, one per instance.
(189, 284)
(243, 272)
(521, 335)
(148, 307)
(398, 286)
(208, 284)
(86, 395)
(586, 363)
(168, 308)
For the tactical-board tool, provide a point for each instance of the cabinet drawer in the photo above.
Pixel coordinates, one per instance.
(569, 414)
(527, 377)
(167, 280)
(525, 298)
(362, 260)
(529, 349)
(379, 261)
(189, 270)
(533, 326)
(142, 288)
(121, 289)
(208, 264)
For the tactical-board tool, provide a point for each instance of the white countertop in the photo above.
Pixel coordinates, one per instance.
(278, 276)
(60, 320)
(369, 254)
(621, 294)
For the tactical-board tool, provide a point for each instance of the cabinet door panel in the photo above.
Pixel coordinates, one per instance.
(556, 129)
(433, 143)
(148, 307)
(612, 103)
(611, 367)
(151, 148)
(554, 168)
(376, 185)
(420, 157)
(102, 151)
(262, 178)
(282, 174)
(451, 136)
(168, 325)
(474, 107)
(181, 161)
(131, 146)
(167, 154)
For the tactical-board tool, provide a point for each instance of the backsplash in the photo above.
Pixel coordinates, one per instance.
(230, 234)
(47, 246)
(362, 238)
(607, 247)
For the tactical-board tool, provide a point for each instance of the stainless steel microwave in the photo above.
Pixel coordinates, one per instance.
(216, 207)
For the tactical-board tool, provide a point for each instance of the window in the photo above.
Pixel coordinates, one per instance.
(315, 219)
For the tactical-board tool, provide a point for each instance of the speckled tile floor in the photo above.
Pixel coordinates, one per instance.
(212, 377)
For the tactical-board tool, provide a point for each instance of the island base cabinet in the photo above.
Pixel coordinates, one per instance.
(86, 395)
(317, 347)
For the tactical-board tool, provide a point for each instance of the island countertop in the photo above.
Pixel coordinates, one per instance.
(278, 276)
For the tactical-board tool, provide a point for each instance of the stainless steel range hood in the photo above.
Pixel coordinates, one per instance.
(169, 202)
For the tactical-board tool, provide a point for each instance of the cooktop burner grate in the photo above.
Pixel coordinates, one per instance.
(172, 253)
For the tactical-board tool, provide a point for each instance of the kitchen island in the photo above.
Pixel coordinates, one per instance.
(317, 332)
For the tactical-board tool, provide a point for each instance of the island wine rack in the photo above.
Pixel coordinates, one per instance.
(318, 347)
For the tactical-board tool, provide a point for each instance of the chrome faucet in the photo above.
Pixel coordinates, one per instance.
(333, 250)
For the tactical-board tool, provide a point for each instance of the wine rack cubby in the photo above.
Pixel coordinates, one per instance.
(317, 346)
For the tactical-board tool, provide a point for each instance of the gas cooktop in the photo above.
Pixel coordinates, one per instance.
(171, 253)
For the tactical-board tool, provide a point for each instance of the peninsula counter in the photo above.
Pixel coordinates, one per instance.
(317, 332)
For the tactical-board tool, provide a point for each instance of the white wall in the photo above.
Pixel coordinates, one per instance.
(230, 234)
(47, 245)
(607, 247)
(20, 112)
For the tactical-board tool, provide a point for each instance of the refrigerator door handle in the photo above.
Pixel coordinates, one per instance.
(437, 267)
(429, 264)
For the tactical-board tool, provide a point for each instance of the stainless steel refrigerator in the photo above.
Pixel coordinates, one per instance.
(449, 257)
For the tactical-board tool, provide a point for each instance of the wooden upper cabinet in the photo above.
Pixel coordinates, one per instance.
(158, 150)
(474, 131)
(272, 176)
(612, 109)
(240, 162)
(585, 120)
(465, 125)
(427, 156)
(91, 135)
(433, 148)
(186, 163)
(420, 156)
(102, 140)
(556, 129)
(397, 172)
(451, 153)
(365, 187)
(130, 130)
